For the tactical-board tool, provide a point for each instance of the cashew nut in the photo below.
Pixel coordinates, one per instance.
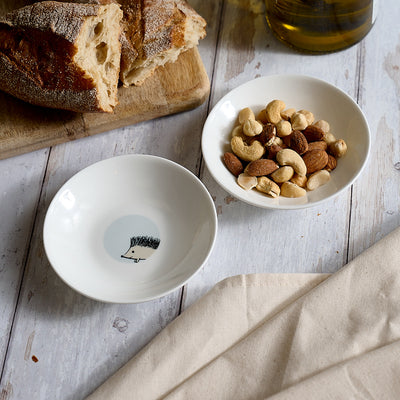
(267, 186)
(246, 181)
(299, 180)
(237, 131)
(262, 116)
(272, 132)
(247, 152)
(338, 149)
(274, 109)
(290, 157)
(283, 128)
(299, 121)
(309, 116)
(283, 174)
(290, 189)
(252, 127)
(318, 179)
(245, 114)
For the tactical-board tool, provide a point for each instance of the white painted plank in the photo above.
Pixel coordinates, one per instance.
(20, 184)
(376, 199)
(77, 342)
(75, 337)
(255, 240)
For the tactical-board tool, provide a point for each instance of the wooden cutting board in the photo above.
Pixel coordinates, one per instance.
(176, 87)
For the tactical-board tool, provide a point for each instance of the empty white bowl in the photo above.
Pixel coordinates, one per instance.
(130, 228)
(324, 100)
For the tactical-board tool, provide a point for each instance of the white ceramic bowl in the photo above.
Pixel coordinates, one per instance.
(324, 100)
(130, 228)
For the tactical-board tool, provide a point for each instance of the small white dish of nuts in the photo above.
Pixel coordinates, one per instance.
(285, 141)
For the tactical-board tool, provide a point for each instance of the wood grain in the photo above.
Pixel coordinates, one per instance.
(82, 342)
(77, 342)
(177, 87)
(257, 240)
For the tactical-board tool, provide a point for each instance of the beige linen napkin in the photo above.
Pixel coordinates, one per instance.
(228, 312)
(374, 375)
(311, 334)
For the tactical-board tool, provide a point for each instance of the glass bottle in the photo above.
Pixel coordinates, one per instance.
(320, 26)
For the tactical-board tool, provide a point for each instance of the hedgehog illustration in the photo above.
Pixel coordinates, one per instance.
(141, 248)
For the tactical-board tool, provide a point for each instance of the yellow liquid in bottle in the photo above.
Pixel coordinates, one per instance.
(320, 26)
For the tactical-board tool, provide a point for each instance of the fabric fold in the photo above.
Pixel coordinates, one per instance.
(228, 312)
(353, 312)
(279, 336)
(373, 375)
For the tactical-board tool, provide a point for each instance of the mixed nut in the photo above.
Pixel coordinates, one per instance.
(282, 152)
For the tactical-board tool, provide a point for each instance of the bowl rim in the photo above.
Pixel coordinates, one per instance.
(233, 91)
(138, 299)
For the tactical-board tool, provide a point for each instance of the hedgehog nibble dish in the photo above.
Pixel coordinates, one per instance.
(130, 229)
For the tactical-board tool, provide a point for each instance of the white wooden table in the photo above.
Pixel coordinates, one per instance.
(57, 344)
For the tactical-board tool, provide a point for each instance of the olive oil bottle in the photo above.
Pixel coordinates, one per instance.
(320, 26)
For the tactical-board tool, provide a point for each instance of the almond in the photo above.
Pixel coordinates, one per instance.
(233, 163)
(267, 136)
(319, 145)
(286, 140)
(298, 142)
(313, 133)
(331, 165)
(261, 167)
(273, 150)
(315, 160)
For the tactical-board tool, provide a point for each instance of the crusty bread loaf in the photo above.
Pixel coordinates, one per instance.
(155, 32)
(62, 55)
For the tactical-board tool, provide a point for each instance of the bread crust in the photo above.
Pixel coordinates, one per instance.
(37, 45)
(150, 28)
(61, 19)
(153, 32)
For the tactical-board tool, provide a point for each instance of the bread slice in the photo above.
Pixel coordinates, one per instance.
(155, 32)
(62, 55)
